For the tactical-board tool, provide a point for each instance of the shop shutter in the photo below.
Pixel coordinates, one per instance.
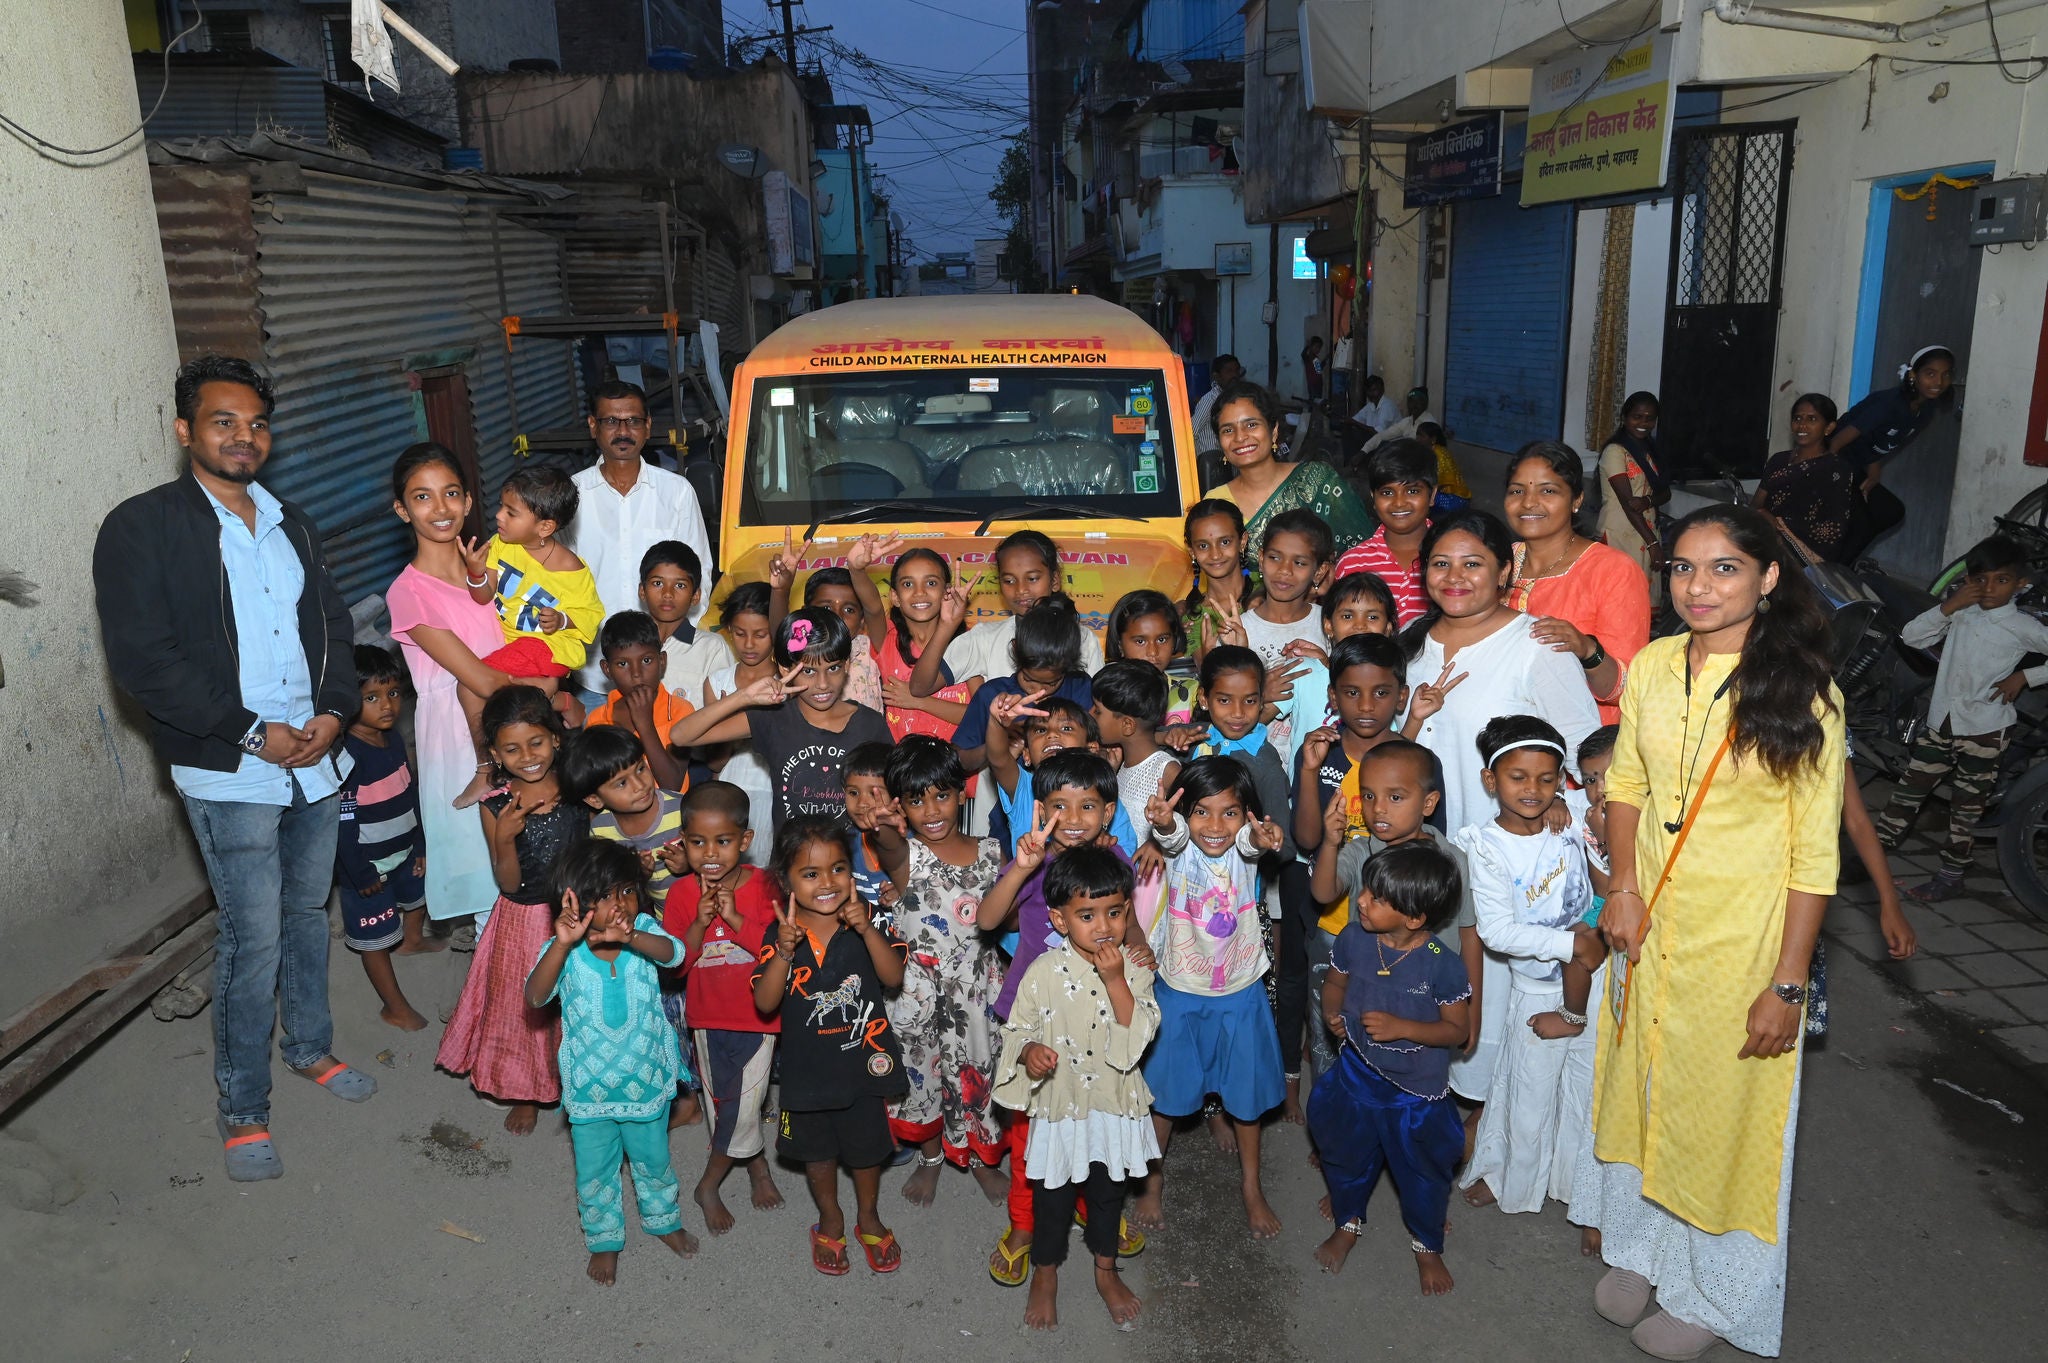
(1510, 307)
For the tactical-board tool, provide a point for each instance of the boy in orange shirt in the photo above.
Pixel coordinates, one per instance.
(632, 661)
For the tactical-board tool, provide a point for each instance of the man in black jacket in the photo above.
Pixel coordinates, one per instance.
(220, 618)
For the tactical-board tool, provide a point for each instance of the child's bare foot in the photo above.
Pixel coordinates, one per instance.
(681, 1241)
(1332, 1253)
(1315, 1158)
(520, 1122)
(1265, 1222)
(1123, 1303)
(1147, 1210)
(1589, 1241)
(1291, 1109)
(923, 1184)
(995, 1184)
(1223, 1133)
(1551, 1026)
(685, 1111)
(1436, 1279)
(767, 1197)
(1479, 1195)
(472, 793)
(717, 1219)
(405, 1019)
(1041, 1308)
(604, 1267)
(424, 946)
(1323, 1207)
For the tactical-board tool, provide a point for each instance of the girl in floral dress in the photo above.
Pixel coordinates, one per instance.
(944, 1015)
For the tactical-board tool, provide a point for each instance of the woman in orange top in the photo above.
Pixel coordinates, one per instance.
(1593, 599)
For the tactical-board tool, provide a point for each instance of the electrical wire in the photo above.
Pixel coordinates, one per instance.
(37, 140)
(1991, 22)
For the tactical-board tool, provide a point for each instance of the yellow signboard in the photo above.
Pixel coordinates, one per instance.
(1599, 123)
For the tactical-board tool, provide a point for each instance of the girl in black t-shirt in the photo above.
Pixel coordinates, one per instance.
(800, 722)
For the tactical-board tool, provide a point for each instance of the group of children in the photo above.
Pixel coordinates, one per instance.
(1209, 861)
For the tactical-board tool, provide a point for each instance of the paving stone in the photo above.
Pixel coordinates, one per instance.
(1980, 1006)
(2031, 1001)
(2031, 1042)
(1862, 940)
(1926, 974)
(1998, 970)
(2036, 959)
(2012, 936)
(1944, 940)
(1967, 910)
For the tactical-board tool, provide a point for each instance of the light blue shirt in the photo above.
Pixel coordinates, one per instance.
(265, 580)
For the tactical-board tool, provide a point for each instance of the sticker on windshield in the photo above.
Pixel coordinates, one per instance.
(1141, 404)
(1148, 445)
(782, 397)
(984, 384)
(1145, 482)
(1148, 463)
(1127, 425)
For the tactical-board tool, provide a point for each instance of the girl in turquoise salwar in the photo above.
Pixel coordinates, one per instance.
(619, 1057)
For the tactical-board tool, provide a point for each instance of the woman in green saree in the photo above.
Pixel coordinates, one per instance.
(1247, 419)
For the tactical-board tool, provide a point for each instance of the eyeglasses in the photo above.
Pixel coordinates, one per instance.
(622, 423)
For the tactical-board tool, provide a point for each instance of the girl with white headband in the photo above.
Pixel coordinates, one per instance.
(1532, 892)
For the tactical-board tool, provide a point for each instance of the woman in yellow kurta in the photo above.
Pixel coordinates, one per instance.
(1688, 1176)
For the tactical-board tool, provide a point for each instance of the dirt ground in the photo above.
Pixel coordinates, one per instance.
(1918, 1228)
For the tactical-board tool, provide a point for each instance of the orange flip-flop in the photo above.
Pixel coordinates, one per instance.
(875, 1246)
(835, 1266)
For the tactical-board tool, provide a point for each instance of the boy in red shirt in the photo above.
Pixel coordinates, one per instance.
(717, 910)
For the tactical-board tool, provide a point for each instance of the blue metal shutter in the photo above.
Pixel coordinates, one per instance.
(1511, 271)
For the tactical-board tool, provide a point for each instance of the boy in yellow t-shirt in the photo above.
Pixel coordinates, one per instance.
(545, 596)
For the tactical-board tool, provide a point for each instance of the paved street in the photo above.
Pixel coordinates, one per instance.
(1906, 1188)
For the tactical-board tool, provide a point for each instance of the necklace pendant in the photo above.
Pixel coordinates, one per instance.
(1384, 972)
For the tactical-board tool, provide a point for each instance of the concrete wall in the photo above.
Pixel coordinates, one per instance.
(86, 813)
(1982, 118)
(658, 125)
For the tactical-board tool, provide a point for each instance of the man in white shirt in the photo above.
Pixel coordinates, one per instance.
(1404, 429)
(1224, 370)
(1379, 411)
(627, 506)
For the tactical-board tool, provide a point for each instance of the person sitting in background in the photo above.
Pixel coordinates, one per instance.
(1224, 370)
(1379, 411)
(1417, 405)
(1452, 493)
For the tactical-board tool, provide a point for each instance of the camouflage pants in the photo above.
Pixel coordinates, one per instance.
(1969, 762)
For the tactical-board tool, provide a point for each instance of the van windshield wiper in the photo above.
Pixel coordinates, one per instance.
(1038, 506)
(873, 511)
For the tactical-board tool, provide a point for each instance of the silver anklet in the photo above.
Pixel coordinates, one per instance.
(931, 1161)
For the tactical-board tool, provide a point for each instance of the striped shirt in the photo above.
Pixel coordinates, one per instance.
(666, 828)
(380, 812)
(1404, 581)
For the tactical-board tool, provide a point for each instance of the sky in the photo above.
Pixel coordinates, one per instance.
(944, 80)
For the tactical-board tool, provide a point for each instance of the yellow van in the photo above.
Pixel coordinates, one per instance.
(953, 421)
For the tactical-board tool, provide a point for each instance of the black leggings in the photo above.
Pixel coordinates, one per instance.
(1297, 916)
(1052, 1214)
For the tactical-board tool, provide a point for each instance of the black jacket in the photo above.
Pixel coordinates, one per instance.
(168, 622)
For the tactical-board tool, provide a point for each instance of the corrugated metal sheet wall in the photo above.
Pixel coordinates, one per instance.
(232, 102)
(358, 279)
(209, 244)
(718, 291)
(1511, 271)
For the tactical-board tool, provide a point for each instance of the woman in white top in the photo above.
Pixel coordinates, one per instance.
(1483, 660)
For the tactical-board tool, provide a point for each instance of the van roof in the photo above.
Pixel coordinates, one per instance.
(960, 318)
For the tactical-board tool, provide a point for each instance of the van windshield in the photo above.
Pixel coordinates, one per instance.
(958, 445)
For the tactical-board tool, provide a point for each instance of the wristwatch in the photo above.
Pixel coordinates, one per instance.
(1599, 656)
(252, 742)
(1794, 994)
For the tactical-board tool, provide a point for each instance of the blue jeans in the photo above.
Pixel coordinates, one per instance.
(271, 867)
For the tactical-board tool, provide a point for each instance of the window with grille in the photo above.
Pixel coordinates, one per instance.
(341, 68)
(228, 33)
(1728, 227)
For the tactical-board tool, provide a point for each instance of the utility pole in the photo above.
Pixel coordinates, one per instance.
(788, 8)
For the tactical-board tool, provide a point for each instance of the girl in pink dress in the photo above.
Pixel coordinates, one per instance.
(443, 633)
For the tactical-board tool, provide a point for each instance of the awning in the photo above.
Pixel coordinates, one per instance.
(1335, 77)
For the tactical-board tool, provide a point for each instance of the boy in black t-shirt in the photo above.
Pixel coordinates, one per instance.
(825, 967)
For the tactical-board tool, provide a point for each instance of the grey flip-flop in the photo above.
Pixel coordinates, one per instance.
(344, 1082)
(251, 1158)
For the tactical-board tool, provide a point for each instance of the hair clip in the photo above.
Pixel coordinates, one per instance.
(799, 635)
